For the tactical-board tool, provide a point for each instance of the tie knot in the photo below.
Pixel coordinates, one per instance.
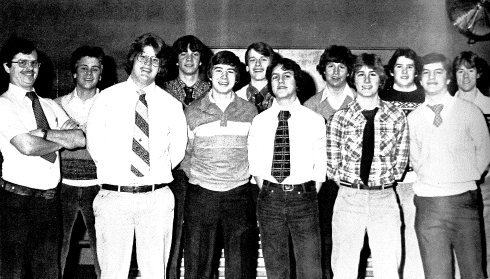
(31, 95)
(436, 108)
(284, 115)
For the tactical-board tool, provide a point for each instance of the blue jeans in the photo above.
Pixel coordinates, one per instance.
(30, 236)
(209, 214)
(74, 200)
(280, 214)
(357, 212)
(446, 223)
(326, 201)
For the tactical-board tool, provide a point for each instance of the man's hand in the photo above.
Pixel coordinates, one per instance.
(70, 124)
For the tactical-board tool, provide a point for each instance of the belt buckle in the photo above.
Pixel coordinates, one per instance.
(287, 187)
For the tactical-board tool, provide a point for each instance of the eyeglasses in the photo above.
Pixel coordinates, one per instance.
(145, 59)
(24, 63)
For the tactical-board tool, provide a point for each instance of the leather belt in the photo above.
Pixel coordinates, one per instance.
(358, 184)
(27, 191)
(303, 187)
(133, 189)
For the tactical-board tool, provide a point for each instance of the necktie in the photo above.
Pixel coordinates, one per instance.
(140, 162)
(367, 145)
(281, 164)
(41, 120)
(437, 110)
(188, 95)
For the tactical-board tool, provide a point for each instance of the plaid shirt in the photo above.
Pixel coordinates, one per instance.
(344, 144)
(176, 88)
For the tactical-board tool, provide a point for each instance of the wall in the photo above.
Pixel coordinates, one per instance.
(59, 26)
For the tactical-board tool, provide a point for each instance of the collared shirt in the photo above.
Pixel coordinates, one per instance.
(110, 134)
(77, 110)
(324, 104)
(307, 134)
(448, 159)
(216, 156)
(176, 88)
(18, 118)
(481, 101)
(249, 93)
(344, 144)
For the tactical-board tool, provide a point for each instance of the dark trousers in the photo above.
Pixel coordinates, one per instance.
(280, 214)
(30, 236)
(326, 202)
(74, 200)
(444, 224)
(230, 214)
(178, 187)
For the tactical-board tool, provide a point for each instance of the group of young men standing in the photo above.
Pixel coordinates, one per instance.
(171, 167)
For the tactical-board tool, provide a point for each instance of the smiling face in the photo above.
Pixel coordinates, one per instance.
(144, 73)
(88, 72)
(336, 75)
(367, 82)
(466, 78)
(189, 62)
(434, 79)
(283, 83)
(257, 65)
(223, 78)
(404, 72)
(23, 77)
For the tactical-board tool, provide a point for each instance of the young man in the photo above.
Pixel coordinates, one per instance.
(136, 134)
(219, 200)
(33, 131)
(79, 178)
(257, 58)
(190, 58)
(367, 147)
(335, 66)
(450, 149)
(404, 91)
(288, 161)
(467, 67)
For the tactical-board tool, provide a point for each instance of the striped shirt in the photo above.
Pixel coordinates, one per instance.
(344, 144)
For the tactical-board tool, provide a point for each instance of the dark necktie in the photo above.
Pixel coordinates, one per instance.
(281, 164)
(437, 110)
(140, 162)
(367, 145)
(41, 120)
(188, 95)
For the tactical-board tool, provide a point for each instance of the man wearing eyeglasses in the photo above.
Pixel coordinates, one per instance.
(79, 185)
(32, 132)
(136, 134)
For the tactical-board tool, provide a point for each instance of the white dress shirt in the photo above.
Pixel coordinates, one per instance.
(110, 134)
(18, 118)
(307, 137)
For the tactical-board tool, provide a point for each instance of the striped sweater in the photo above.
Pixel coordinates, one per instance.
(216, 156)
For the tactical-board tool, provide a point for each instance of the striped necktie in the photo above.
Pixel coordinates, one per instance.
(41, 121)
(281, 164)
(140, 162)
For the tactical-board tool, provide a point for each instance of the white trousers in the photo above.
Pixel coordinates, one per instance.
(118, 217)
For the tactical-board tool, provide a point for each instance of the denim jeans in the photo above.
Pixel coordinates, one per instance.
(355, 212)
(326, 201)
(121, 217)
(444, 224)
(281, 214)
(485, 193)
(30, 236)
(74, 200)
(230, 214)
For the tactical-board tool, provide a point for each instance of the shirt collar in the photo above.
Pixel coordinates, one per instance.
(73, 95)
(346, 92)
(17, 92)
(292, 108)
(446, 100)
(149, 90)
(208, 100)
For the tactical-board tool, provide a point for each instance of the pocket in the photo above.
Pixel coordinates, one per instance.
(96, 204)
